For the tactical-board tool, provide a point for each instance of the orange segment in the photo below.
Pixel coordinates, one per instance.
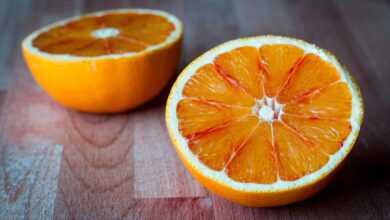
(123, 44)
(151, 29)
(298, 156)
(119, 33)
(242, 67)
(94, 47)
(69, 44)
(279, 60)
(208, 84)
(328, 135)
(255, 161)
(216, 147)
(91, 47)
(332, 102)
(198, 116)
(312, 74)
(61, 36)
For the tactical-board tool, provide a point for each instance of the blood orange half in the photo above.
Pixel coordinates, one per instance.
(107, 61)
(264, 121)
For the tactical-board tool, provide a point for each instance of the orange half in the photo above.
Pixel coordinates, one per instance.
(105, 61)
(264, 121)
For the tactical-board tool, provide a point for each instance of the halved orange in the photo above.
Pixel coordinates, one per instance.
(264, 121)
(105, 61)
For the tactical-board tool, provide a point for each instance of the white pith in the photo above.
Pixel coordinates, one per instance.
(280, 185)
(104, 33)
(173, 37)
(266, 113)
(268, 109)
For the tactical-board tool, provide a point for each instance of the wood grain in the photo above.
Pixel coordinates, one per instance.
(8, 42)
(177, 208)
(367, 27)
(30, 155)
(169, 179)
(97, 167)
(210, 23)
(60, 164)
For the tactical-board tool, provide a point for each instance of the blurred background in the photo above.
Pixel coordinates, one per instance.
(50, 173)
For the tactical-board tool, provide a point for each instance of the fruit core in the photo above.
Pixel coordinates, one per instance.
(268, 109)
(103, 33)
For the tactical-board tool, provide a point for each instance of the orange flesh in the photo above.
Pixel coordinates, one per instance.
(219, 113)
(135, 33)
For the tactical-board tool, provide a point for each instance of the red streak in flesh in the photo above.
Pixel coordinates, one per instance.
(200, 134)
(290, 74)
(314, 117)
(227, 76)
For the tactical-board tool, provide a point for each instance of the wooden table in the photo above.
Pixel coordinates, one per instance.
(61, 164)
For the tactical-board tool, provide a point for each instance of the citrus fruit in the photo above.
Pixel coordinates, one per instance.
(264, 121)
(106, 61)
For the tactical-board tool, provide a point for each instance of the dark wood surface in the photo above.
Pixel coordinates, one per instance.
(57, 163)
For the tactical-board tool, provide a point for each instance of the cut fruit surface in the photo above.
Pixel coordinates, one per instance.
(108, 61)
(264, 121)
(106, 34)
